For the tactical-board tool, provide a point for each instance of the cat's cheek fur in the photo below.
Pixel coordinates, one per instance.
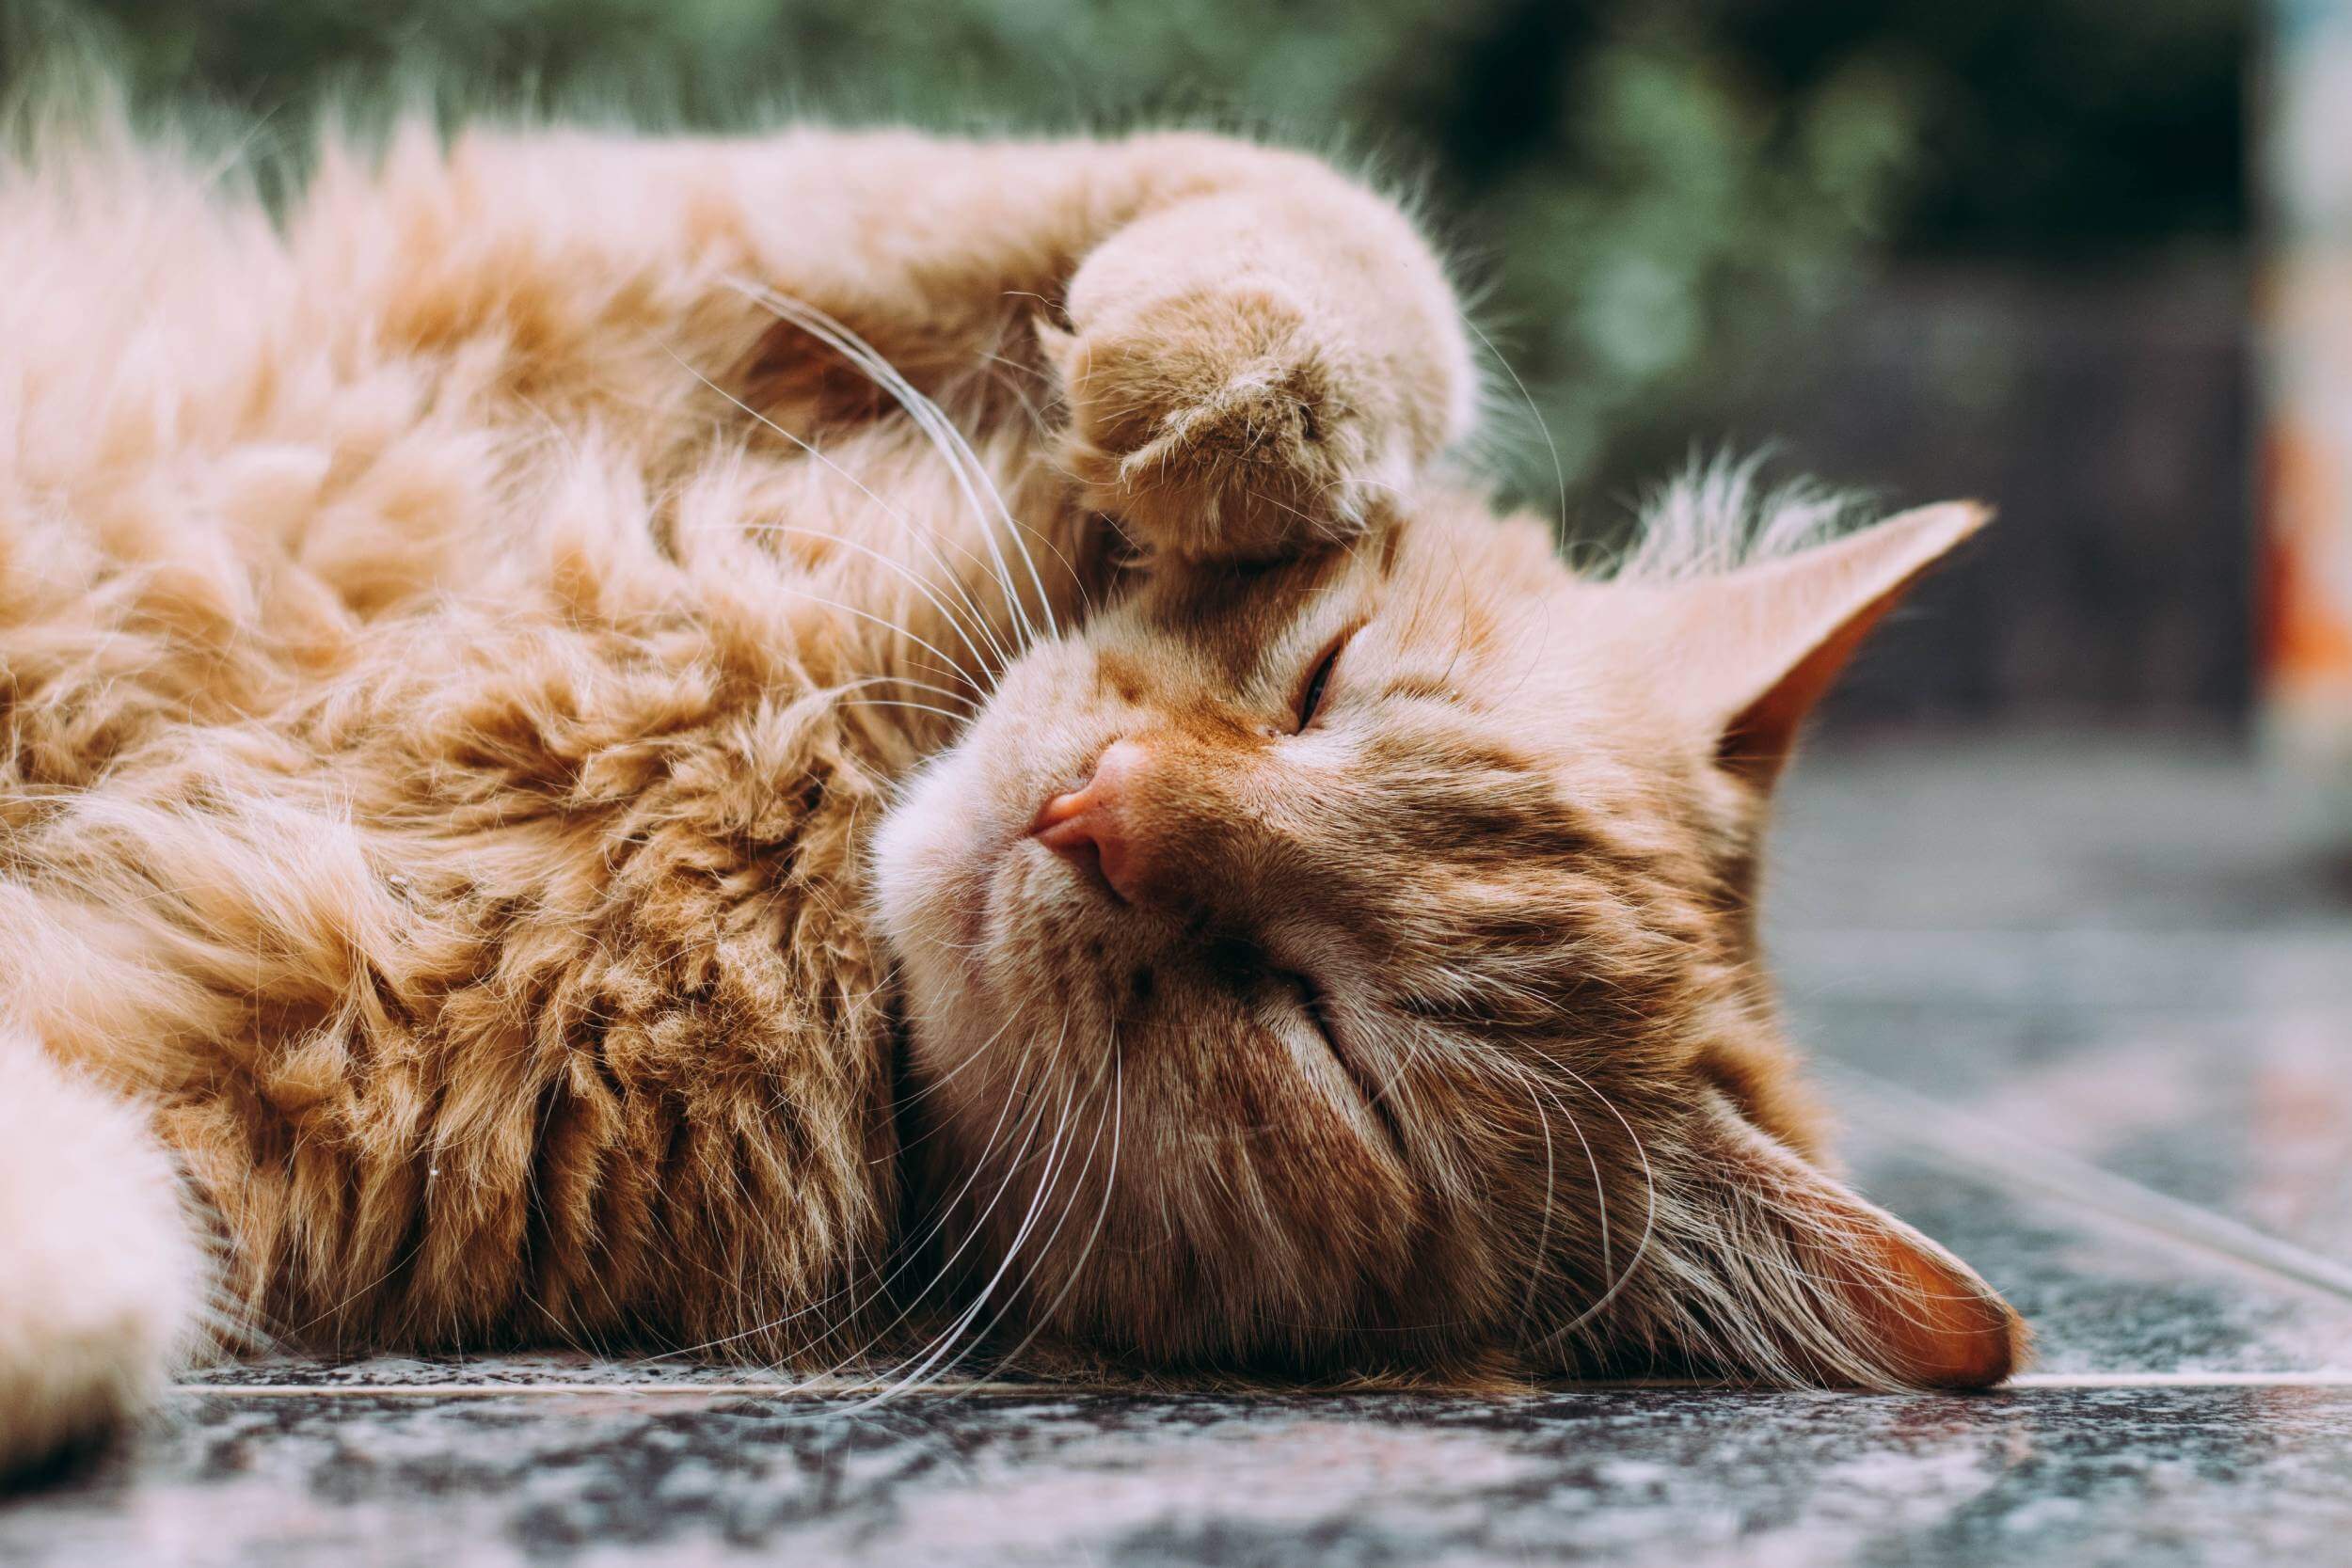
(103, 1281)
(925, 852)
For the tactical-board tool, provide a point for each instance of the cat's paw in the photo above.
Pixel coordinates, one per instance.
(1222, 425)
(101, 1283)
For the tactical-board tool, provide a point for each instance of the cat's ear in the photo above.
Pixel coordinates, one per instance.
(1794, 1275)
(1753, 650)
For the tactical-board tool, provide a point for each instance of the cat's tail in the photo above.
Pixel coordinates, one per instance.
(103, 1281)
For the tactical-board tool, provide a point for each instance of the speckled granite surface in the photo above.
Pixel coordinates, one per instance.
(2145, 1477)
(2088, 1007)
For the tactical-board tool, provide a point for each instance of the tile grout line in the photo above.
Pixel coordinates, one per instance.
(478, 1390)
(2043, 934)
(2025, 1383)
(2181, 1380)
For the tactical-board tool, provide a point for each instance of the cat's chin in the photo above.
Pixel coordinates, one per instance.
(932, 867)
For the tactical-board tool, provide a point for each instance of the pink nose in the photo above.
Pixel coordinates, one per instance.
(1092, 826)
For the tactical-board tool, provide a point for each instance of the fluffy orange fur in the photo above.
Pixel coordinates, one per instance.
(526, 680)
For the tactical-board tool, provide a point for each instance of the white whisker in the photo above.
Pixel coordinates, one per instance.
(906, 526)
(963, 465)
(1649, 1221)
(1070, 1279)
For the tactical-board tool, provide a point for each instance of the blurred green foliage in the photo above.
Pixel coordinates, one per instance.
(1646, 194)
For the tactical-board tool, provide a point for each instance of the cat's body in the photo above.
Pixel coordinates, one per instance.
(458, 647)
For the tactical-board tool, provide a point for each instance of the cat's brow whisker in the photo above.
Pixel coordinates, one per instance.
(906, 526)
(1543, 426)
(944, 692)
(920, 708)
(1299, 513)
(964, 463)
(883, 622)
(953, 617)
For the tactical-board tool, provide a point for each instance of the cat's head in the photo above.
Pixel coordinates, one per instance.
(1350, 962)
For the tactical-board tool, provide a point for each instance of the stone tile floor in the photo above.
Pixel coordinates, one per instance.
(2087, 1007)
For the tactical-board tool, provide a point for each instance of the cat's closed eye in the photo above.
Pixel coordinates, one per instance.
(1245, 968)
(1315, 1006)
(1121, 561)
(1319, 676)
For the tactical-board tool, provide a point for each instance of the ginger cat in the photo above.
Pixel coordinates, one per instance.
(814, 746)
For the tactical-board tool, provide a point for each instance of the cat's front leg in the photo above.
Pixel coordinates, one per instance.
(1258, 368)
(101, 1279)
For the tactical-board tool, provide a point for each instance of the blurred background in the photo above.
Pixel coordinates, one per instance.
(1996, 249)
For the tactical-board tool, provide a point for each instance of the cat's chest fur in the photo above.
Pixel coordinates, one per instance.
(443, 799)
(540, 994)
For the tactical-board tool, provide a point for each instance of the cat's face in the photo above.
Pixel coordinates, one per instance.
(1346, 961)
